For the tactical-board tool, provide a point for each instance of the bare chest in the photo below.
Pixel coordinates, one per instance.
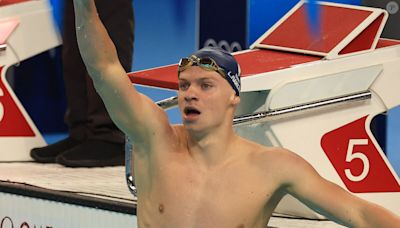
(229, 195)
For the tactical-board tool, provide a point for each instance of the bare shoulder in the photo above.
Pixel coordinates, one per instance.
(266, 155)
(280, 162)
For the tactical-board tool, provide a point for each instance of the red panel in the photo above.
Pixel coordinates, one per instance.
(357, 160)
(6, 28)
(336, 24)
(163, 77)
(261, 61)
(9, 2)
(365, 39)
(386, 43)
(12, 122)
(251, 63)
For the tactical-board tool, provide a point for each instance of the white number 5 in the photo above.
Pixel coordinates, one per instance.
(350, 155)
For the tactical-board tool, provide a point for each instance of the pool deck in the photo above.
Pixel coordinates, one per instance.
(97, 189)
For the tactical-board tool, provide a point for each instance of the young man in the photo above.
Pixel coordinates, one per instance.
(201, 174)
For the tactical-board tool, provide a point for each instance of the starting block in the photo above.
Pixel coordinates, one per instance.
(20, 22)
(317, 95)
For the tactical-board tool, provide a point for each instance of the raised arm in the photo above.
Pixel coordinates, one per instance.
(134, 113)
(332, 201)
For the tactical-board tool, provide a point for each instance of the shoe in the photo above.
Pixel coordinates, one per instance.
(93, 153)
(49, 153)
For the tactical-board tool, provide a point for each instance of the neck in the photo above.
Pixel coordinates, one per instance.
(211, 148)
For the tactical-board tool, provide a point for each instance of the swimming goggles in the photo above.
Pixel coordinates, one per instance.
(206, 63)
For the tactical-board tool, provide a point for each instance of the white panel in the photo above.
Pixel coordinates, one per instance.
(35, 33)
(18, 148)
(44, 213)
(387, 84)
(323, 87)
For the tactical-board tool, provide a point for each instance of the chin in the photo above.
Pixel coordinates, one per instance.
(194, 127)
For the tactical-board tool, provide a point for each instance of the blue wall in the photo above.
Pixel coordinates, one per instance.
(165, 31)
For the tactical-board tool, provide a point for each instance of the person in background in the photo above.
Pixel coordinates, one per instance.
(94, 140)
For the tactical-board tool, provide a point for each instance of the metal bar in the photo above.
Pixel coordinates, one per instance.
(285, 112)
(168, 103)
(3, 47)
(130, 179)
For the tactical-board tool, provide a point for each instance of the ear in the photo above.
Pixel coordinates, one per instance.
(235, 100)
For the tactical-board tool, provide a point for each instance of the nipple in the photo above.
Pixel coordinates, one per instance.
(161, 208)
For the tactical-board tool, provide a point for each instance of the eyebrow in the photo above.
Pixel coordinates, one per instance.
(198, 79)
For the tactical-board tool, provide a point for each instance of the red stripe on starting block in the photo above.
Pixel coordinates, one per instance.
(10, 2)
(365, 39)
(251, 63)
(12, 121)
(336, 24)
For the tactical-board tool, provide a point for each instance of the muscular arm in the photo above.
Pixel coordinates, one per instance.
(133, 113)
(332, 201)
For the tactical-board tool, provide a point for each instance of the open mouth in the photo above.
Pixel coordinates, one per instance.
(189, 111)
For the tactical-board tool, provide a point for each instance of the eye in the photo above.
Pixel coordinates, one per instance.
(206, 86)
(183, 86)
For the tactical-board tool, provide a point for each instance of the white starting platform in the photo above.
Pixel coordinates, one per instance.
(315, 95)
(26, 29)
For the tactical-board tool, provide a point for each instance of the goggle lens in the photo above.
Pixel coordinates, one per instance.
(205, 63)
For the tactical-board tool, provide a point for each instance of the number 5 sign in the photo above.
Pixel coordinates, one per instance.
(357, 160)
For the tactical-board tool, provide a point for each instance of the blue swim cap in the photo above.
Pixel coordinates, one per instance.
(225, 61)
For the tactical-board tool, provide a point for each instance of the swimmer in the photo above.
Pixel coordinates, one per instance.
(200, 173)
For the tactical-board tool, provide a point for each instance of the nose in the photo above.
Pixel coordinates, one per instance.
(190, 98)
(191, 94)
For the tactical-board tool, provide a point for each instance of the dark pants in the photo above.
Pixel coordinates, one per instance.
(86, 115)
